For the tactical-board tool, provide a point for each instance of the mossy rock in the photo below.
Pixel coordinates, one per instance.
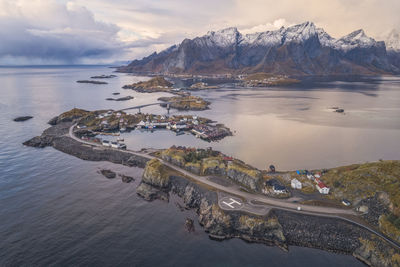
(156, 174)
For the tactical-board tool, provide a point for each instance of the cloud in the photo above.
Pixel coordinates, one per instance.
(277, 24)
(83, 31)
(56, 33)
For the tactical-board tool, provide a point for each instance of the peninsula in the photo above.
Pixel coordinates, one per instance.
(233, 199)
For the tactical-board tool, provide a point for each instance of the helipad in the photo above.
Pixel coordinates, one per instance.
(231, 203)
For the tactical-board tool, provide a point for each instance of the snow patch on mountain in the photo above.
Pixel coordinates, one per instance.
(225, 37)
(393, 41)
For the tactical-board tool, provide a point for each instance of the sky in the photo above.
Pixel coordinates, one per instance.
(34, 32)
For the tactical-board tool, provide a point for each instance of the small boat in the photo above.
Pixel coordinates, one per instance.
(180, 133)
(120, 139)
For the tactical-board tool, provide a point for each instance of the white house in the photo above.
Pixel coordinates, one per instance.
(279, 189)
(296, 184)
(105, 143)
(322, 188)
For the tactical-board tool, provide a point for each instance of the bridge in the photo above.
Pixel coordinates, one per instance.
(147, 105)
(156, 103)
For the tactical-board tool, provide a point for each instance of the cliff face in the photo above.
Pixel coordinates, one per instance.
(155, 174)
(155, 181)
(250, 178)
(221, 224)
(235, 170)
(280, 228)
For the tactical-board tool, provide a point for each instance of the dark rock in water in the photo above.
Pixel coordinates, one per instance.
(23, 118)
(108, 174)
(103, 76)
(92, 82)
(116, 93)
(126, 179)
(125, 98)
(189, 225)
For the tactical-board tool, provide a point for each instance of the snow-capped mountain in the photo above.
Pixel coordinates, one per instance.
(302, 49)
(393, 41)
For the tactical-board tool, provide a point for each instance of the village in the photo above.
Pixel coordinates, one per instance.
(114, 123)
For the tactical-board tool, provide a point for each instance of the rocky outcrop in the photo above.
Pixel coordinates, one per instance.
(56, 136)
(126, 179)
(374, 252)
(249, 177)
(149, 192)
(108, 174)
(155, 174)
(68, 116)
(155, 181)
(213, 166)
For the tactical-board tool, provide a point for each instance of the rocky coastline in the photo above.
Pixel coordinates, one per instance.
(280, 228)
(56, 136)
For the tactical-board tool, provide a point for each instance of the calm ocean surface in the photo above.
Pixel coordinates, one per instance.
(58, 210)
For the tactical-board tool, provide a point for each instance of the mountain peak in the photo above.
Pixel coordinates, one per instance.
(226, 31)
(357, 38)
(358, 34)
(393, 40)
(300, 32)
(224, 37)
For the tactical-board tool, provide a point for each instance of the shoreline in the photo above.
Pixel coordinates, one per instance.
(57, 137)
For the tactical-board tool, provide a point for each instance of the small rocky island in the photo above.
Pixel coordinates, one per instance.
(202, 86)
(22, 118)
(125, 98)
(187, 102)
(267, 80)
(103, 76)
(90, 81)
(156, 84)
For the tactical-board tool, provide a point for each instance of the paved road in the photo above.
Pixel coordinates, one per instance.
(249, 198)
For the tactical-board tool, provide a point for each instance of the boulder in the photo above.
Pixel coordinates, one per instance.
(108, 174)
(126, 179)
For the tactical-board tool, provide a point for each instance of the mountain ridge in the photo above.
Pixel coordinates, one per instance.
(302, 49)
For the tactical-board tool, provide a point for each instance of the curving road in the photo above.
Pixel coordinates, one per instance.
(248, 198)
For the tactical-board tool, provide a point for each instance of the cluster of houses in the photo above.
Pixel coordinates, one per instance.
(171, 123)
(208, 132)
(321, 187)
(105, 123)
(179, 125)
(113, 144)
